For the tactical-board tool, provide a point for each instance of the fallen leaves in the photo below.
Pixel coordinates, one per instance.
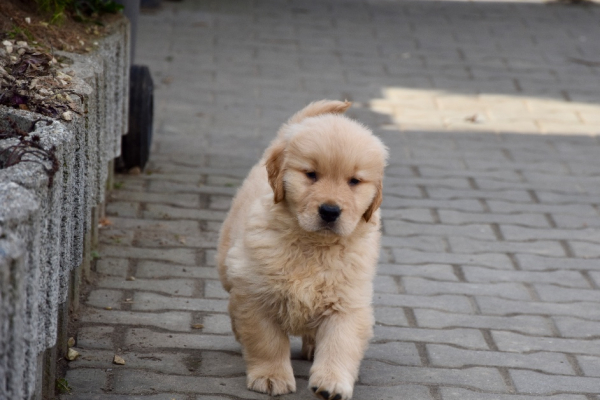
(118, 360)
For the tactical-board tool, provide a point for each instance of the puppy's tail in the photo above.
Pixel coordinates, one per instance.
(320, 107)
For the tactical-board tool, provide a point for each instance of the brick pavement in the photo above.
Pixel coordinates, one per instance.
(489, 280)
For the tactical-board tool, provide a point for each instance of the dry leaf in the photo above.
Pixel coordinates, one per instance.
(197, 326)
(131, 278)
(71, 342)
(104, 222)
(72, 354)
(118, 360)
(108, 308)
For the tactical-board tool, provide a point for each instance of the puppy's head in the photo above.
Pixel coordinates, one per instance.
(327, 168)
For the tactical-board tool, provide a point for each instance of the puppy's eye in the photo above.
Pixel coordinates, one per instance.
(312, 176)
(353, 182)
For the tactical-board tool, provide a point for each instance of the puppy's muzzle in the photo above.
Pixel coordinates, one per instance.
(329, 212)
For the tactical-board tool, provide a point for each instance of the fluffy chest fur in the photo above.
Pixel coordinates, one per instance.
(300, 277)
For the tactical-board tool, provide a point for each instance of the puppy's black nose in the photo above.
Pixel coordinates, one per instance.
(329, 212)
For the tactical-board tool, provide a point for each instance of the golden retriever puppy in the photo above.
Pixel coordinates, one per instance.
(298, 252)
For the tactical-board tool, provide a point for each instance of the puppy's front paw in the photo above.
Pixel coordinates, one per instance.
(327, 388)
(273, 384)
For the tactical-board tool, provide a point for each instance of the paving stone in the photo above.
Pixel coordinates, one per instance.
(435, 271)
(575, 221)
(468, 205)
(536, 383)
(522, 233)
(533, 262)
(170, 363)
(585, 249)
(526, 219)
(385, 284)
(377, 373)
(423, 243)
(214, 289)
(87, 381)
(159, 211)
(95, 337)
(468, 338)
(492, 260)
(154, 269)
(181, 227)
(172, 321)
(533, 325)
(505, 207)
(450, 303)
(577, 327)
(590, 365)
(430, 287)
(103, 298)
(465, 394)
(410, 214)
(113, 266)
(177, 287)
(178, 256)
(122, 209)
(560, 294)
(540, 247)
(496, 306)
(390, 316)
(396, 352)
(163, 396)
(144, 301)
(141, 338)
(399, 228)
(508, 195)
(564, 278)
(508, 341)
(181, 200)
(217, 323)
(447, 356)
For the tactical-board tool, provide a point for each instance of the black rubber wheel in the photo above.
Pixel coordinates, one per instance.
(135, 146)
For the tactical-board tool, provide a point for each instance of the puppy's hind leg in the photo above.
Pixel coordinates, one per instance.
(266, 350)
(308, 346)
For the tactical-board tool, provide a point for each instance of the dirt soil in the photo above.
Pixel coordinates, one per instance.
(21, 20)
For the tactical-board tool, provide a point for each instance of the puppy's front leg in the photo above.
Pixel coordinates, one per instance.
(266, 350)
(341, 342)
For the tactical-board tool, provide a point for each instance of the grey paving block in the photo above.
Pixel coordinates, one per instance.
(430, 287)
(472, 246)
(423, 243)
(523, 233)
(529, 324)
(398, 228)
(576, 327)
(178, 256)
(467, 338)
(144, 301)
(377, 373)
(533, 262)
(465, 394)
(172, 321)
(157, 269)
(95, 337)
(525, 219)
(564, 278)
(447, 356)
(491, 260)
(536, 383)
(508, 341)
(558, 294)
(87, 381)
(590, 365)
(434, 271)
(452, 303)
(175, 287)
(141, 338)
(496, 306)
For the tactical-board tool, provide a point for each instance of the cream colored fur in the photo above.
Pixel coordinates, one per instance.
(290, 273)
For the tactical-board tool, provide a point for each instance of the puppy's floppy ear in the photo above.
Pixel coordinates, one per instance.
(375, 203)
(274, 163)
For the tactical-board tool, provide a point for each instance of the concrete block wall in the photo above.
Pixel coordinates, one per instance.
(46, 229)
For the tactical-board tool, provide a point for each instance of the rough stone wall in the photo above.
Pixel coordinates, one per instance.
(43, 227)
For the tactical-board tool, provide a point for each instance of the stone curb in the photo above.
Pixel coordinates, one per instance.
(47, 228)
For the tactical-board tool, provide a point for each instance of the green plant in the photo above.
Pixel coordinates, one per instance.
(94, 255)
(18, 32)
(82, 10)
(63, 386)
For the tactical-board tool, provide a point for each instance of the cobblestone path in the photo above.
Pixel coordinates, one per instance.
(489, 279)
